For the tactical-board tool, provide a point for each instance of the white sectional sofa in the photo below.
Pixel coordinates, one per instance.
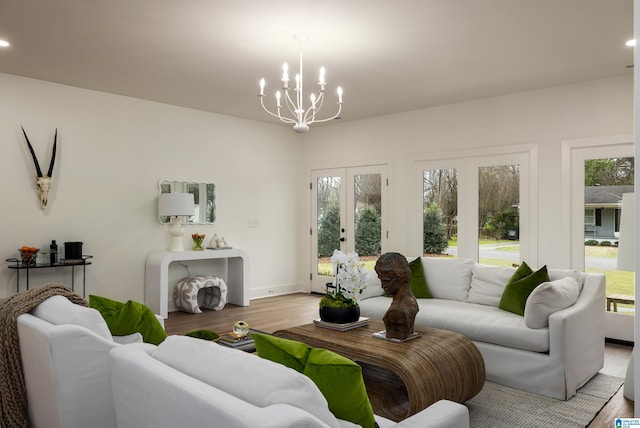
(554, 360)
(187, 382)
(77, 375)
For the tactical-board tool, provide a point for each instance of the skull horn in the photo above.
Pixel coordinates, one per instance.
(33, 154)
(53, 155)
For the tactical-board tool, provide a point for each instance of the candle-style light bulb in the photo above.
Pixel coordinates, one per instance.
(262, 83)
(339, 95)
(321, 80)
(278, 99)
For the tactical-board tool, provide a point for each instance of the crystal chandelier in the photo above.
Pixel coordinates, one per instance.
(300, 117)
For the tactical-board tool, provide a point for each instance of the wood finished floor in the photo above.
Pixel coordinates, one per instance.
(274, 313)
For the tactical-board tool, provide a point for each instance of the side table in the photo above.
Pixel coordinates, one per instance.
(84, 261)
(406, 377)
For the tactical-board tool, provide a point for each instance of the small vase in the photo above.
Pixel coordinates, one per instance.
(340, 315)
(241, 329)
(28, 258)
(29, 261)
(198, 246)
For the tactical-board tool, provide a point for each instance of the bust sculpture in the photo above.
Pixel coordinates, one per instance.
(395, 275)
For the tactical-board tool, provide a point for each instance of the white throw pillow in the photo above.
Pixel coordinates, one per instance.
(548, 298)
(448, 278)
(373, 285)
(487, 284)
(60, 310)
(246, 376)
(555, 274)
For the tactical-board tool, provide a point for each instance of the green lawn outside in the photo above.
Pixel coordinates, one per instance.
(453, 242)
(608, 252)
(325, 268)
(619, 282)
(496, 262)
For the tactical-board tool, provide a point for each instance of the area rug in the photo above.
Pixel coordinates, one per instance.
(498, 406)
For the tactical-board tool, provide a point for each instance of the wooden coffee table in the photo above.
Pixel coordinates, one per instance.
(404, 378)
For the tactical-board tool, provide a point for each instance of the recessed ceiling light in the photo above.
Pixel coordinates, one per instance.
(631, 42)
(3, 43)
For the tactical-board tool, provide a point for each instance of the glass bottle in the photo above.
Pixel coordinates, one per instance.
(53, 253)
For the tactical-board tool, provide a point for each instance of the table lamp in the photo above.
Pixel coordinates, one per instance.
(176, 205)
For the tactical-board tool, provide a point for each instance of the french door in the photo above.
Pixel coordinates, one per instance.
(585, 254)
(348, 214)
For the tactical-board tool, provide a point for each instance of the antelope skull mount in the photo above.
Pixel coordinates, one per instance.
(43, 182)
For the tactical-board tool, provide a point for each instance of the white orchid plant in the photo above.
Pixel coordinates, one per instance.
(349, 281)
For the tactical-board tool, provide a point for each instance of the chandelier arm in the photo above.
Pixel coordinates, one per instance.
(319, 104)
(266, 109)
(285, 119)
(320, 100)
(310, 115)
(278, 116)
(293, 108)
(313, 111)
(271, 113)
(290, 104)
(332, 117)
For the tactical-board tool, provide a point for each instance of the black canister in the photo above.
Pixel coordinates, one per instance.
(73, 250)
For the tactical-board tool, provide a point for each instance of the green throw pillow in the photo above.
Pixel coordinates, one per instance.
(290, 353)
(203, 334)
(340, 381)
(338, 378)
(523, 271)
(516, 292)
(128, 318)
(419, 285)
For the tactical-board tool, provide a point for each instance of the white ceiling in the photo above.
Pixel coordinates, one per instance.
(389, 56)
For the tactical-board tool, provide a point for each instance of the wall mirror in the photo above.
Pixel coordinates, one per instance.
(204, 196)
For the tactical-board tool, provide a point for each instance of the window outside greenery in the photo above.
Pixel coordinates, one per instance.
(601, 252)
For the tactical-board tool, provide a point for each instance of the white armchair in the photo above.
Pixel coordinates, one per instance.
(65, 361)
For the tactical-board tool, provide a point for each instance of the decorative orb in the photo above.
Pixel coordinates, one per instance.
(241, 329)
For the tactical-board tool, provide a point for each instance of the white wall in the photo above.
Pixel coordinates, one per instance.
(112, 151)
(544, 117)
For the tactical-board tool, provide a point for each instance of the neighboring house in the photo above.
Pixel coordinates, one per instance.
(602, 211)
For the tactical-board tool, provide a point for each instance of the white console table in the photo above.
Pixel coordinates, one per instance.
(157, 276)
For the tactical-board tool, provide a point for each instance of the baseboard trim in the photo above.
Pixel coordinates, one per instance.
(277, 290)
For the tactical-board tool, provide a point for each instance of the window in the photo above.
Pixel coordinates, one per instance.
(590, 216)
(583, 161)
(440, 212)
(485, 202)
(605, 182)
(499, 214)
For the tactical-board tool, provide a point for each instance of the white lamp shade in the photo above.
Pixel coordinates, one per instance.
(176, 204)
(626, 243)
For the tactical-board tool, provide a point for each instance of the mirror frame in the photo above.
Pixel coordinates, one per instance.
(197, 189)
